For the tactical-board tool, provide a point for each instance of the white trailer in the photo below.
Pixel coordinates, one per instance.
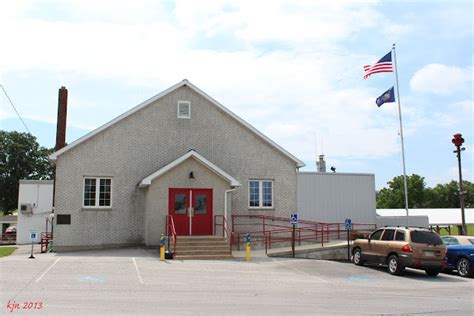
(35, 204)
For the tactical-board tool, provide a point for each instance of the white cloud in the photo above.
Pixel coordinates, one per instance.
(396, 31)
(467, 106)
(448, 176)
(290, 94)
(441, 79)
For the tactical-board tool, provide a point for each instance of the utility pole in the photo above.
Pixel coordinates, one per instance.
(458, 141)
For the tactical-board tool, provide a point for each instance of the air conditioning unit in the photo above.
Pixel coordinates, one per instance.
(25, 208)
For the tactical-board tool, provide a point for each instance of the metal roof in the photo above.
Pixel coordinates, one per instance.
(436, 216)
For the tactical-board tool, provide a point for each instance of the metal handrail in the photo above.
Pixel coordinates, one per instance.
(171, 231)
(45, 238)
(282, 232)
(225, 229)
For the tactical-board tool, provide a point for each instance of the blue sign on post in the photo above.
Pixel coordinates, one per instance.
(348, 224)
(294, 219)
(33, 235)
(247, 238)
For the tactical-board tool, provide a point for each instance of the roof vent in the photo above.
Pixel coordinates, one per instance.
(184, 109)
(321, 164)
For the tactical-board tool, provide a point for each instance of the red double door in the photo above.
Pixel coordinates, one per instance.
(191, 210)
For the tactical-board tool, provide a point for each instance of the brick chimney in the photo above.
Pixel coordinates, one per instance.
(62, 114)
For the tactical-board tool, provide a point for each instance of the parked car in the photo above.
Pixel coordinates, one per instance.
(460, 254)
(400, 247)
(10, 230)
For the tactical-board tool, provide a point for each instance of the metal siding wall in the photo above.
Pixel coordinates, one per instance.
(333, 197)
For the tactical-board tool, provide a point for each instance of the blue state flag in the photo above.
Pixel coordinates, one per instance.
(387, 96)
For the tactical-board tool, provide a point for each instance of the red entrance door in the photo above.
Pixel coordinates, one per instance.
(191, 210)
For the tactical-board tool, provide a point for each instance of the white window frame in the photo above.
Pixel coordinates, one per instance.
(97, 192)
(260, 194)
(184, 116)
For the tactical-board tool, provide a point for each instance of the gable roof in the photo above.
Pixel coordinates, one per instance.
(147, 181)
(183, 83)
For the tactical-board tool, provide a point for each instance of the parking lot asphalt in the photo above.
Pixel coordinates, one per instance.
(135, 282)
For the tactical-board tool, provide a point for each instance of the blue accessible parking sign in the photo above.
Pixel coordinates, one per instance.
(294, 219)
(348, 223)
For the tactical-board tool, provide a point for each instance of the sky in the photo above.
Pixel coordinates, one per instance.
(292, 69)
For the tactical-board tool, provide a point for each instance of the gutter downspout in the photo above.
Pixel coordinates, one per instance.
(225, 209)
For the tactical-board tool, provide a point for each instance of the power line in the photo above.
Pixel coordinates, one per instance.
(24, 124)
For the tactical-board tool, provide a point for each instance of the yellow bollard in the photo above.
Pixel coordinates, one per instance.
(247, 250)
(162, 253)
(162, 247)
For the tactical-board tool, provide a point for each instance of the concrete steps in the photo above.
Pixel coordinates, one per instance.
(202, 248)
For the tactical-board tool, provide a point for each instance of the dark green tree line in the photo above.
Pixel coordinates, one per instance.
(421, 196)
(21, 157)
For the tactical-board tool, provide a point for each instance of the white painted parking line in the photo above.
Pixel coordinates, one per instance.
(49, 268)
(138, 272)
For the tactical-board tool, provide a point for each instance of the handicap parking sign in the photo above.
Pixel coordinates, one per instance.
(33, 235)
(294, 219)
(348, 223)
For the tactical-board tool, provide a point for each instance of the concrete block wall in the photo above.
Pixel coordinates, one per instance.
(144, 142)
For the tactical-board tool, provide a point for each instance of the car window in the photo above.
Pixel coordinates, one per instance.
(450, 241)
(471, 241)
(400, 235)
(425, 237)
(388, 234)
(376, 235)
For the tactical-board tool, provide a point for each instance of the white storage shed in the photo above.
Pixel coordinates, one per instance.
(35, 204)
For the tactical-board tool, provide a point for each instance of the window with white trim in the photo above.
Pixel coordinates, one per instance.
(184, 109)
(97, 192)
(260, 194)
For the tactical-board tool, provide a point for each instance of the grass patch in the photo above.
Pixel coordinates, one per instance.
(6, 251)
(454, 231)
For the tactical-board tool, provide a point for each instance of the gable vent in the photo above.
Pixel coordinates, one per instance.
(184, 109)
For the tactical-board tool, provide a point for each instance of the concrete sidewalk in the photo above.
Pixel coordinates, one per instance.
(285, 251)
(24, 249)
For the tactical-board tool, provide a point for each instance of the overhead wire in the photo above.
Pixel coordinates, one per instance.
(11, 102)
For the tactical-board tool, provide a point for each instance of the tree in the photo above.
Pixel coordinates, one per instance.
(21, 157)
(394, 195)
(419, 196)
(447, 195)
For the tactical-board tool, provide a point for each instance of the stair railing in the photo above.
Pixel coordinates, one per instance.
(171, 232)
(226, 231)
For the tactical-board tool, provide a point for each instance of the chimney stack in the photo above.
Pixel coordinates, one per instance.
(62, 114)
(321, 164)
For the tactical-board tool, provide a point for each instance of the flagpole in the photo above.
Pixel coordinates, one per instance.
(401, 134)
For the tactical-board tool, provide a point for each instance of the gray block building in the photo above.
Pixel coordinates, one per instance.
(180, 153)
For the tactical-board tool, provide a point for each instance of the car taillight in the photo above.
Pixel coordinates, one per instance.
(407, 248)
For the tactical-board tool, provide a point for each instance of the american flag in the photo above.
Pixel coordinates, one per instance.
(383, 65)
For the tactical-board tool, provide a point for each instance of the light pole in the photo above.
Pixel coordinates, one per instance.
(458, 141)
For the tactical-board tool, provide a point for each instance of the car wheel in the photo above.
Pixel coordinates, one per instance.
(432, 272)
(464, 268)
(394, 265)
(357, 257)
